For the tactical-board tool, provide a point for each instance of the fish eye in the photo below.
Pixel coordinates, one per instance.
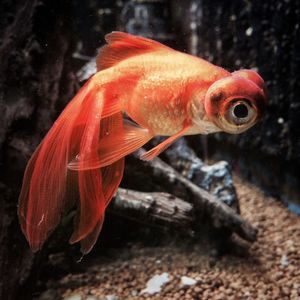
(240, 112)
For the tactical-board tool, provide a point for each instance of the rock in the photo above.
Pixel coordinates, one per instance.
(155, 284)
(188, 281)
(215, 178)
(284, 260)
(111, 297)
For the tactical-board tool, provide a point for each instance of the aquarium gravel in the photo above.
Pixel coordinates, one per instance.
(270, 270)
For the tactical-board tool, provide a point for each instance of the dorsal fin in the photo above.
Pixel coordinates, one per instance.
(121, 45)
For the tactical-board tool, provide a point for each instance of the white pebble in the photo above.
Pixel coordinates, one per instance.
(111, 297)
(284, 260)
(188, 280)
(155, 284)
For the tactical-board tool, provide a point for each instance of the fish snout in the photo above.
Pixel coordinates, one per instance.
(235, 103)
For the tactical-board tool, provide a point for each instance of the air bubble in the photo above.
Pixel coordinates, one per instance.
(249, 31)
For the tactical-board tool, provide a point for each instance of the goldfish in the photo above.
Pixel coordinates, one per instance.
(163, 92)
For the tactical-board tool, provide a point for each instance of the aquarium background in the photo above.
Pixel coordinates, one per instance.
(45, 44)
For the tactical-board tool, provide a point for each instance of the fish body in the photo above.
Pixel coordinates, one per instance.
(165, 112)
(164, 92)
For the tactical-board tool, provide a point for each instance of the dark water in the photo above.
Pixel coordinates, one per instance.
(44, 43)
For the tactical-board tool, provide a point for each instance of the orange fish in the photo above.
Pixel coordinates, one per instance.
(165, 92)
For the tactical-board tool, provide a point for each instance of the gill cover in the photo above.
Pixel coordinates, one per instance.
(235, 103)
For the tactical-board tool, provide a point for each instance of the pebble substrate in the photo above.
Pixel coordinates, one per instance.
(271, 270)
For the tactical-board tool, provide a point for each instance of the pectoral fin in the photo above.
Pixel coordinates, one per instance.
(164, 145)
(112, 148)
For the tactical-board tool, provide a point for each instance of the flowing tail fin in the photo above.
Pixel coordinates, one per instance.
(43, 195)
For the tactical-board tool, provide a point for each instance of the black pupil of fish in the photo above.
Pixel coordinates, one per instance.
(240, 111)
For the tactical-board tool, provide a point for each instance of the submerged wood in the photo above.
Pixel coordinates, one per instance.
(158, 209)
(205, 205)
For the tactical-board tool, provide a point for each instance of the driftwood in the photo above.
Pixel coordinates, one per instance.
(158, 209)
(204, 203)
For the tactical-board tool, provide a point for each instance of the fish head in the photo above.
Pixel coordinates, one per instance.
(237, 102)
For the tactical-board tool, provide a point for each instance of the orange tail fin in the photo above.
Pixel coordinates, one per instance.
(43, 196)
(41, 200)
